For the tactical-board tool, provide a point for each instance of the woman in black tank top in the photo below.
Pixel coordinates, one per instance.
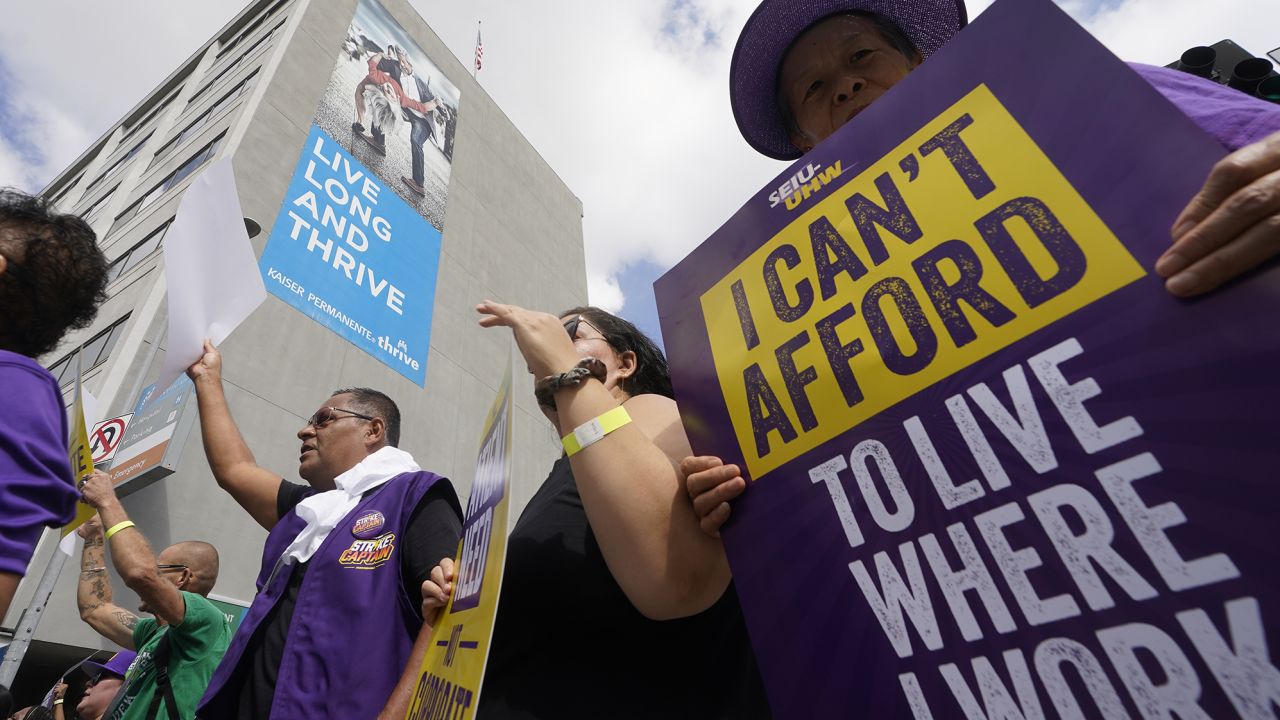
(614, 602)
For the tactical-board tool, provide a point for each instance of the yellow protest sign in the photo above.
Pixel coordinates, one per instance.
(80, 455)
(452, 671)
(887, 286)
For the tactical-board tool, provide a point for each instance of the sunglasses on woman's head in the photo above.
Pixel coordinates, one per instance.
(571, 327)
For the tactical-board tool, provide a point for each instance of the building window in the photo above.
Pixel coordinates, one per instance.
(62, 191)
(234, 64)
(200, 122)
(199, 158)
(134, 256)
(262, 17)
(91, 354)
(151, 115)
(120, 163)
(90, 212)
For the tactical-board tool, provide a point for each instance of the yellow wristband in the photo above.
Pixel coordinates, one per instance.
(118, 527)
(59, 700)
(592, 431)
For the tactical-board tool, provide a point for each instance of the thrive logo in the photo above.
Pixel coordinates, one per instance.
(800, 186)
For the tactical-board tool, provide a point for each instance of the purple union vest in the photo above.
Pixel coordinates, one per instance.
(353, 626)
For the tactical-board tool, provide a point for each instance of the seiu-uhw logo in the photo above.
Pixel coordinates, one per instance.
(803, 184)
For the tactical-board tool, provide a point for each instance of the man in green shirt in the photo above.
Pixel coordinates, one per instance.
(188, 630)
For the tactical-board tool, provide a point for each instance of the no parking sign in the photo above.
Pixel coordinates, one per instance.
(104, 439)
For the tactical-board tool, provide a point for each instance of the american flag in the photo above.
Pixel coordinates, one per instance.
(479, 48)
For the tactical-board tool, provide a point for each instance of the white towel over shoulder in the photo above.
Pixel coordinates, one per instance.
(323, 511)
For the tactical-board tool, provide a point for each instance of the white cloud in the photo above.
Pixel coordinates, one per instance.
(627, 101)
(14, 168)
(1157, 31)
(604, 291)
(39, 140)
(74, 68)
(691, 29)
(975, 7)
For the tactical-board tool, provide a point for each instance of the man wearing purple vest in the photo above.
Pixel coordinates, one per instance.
(339, 592)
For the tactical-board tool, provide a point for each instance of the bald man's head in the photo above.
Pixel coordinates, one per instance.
(201, 560)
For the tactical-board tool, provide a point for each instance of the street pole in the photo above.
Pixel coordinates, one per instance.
(31, 618)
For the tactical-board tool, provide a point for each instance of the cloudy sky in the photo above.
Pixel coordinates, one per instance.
(626, 99)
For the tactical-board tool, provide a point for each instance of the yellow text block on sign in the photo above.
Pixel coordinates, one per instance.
(958, 242)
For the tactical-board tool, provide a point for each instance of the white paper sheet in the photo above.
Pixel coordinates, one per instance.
(210, 268)
(90, 405)
(70, 545)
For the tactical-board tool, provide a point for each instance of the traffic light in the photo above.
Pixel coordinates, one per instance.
(1227, 63)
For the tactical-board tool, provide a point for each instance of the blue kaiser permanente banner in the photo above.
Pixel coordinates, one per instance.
(347, 251)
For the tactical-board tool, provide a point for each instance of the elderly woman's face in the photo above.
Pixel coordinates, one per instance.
(834, 70)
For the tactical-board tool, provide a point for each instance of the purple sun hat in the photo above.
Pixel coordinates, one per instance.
(775, 24)
(118, 665)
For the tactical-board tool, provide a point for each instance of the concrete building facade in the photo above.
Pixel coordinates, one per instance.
(512, 232)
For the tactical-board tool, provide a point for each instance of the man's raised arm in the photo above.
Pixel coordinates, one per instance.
(132, 554)
(93, 594)
(229, 457)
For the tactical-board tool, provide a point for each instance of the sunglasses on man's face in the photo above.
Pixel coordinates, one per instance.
(170, 568)
(326, 415)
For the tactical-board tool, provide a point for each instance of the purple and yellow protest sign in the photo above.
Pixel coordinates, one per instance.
(994, 468)
(450, 681)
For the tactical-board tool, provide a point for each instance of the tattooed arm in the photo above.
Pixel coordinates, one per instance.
(94, 592)
(132, 556)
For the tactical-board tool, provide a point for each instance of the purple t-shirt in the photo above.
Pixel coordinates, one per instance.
(1230, 116)
(36, 487)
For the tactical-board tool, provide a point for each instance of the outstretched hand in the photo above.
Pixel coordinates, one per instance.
(1231, 226)
(209, 366)
(711, 485)
(540, 336)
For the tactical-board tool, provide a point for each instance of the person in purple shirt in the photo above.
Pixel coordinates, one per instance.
(52, 279)
(801, 70)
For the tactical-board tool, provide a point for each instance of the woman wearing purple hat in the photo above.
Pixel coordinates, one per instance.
(104, 681)
(803, 69)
